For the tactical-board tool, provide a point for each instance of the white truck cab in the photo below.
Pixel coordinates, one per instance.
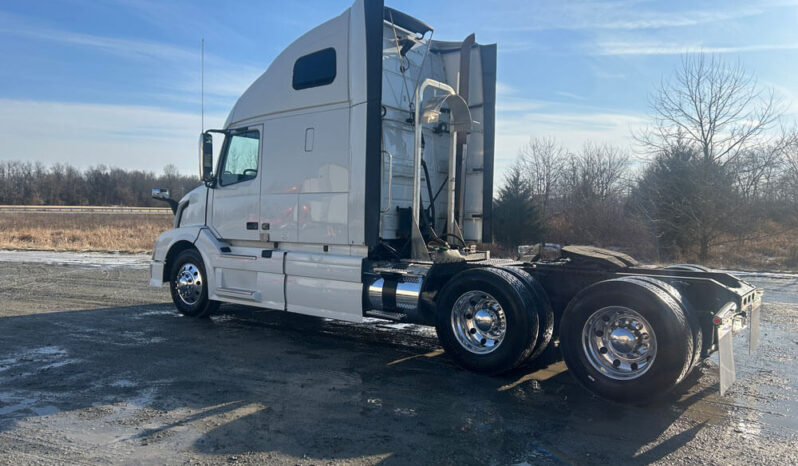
(355, 179)
(322, 161)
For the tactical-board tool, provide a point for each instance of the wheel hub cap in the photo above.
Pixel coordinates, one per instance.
(478, 322)
(189, 284)
(622, 340)
(619, 342)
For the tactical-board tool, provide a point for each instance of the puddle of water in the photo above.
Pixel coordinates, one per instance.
(7, 363)
(46, 351)
(11, 402)
(123, 383)
(45, 410)
(22, 406)
(61, 363)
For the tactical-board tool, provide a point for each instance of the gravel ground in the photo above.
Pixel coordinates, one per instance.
(97, 368)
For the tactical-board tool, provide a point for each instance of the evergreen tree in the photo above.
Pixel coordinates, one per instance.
(517, 219)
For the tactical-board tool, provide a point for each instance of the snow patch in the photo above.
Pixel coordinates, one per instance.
(83, 259)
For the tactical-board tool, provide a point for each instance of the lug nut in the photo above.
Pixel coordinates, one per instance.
(603, 350)
(473, 331)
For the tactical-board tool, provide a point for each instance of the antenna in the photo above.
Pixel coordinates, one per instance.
(202, 85)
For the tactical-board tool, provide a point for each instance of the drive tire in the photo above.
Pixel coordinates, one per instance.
(517, 305)
(543, 308)
(188, 270)
(692, 320)
(668, 322)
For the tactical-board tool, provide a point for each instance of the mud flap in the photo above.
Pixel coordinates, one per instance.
(725, 356)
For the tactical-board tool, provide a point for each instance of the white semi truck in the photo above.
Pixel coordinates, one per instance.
(355, 179)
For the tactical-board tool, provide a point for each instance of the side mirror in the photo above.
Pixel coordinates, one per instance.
(163, 195)
(206, 157)
(160, 193)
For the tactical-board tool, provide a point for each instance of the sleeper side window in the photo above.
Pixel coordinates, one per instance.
(315, 69)
(240, 160)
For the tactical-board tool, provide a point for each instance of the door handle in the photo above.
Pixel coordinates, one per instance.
(252, 225)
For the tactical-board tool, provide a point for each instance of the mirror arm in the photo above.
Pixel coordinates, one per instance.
(172, 204)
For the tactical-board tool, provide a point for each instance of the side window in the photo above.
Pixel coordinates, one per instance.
(315, 69)
(240, 161)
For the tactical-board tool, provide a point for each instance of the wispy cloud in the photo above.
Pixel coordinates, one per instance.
(665, 48)
(126, 136)
(619, 15)
(570, 95)
(572, 129)
(138, 48)
(519, 119)
(223, 77)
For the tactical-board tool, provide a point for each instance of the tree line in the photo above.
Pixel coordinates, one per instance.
(716, 162)
(27, 183)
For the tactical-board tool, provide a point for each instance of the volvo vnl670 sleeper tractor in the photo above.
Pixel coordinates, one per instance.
(355, 178)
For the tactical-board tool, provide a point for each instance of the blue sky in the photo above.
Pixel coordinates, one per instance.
(117, 82)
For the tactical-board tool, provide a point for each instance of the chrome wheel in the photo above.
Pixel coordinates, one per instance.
(478, 322)
(189, 283)
(619, 343)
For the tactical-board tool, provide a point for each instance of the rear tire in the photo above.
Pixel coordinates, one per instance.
(188, 285)
(692, 320)
(543, 308)
(626, 340)
(486, 320)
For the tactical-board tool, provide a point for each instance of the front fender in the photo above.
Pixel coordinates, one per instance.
(162, 247)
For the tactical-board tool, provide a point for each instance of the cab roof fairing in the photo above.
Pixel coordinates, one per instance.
(272, 92)
(263, 90)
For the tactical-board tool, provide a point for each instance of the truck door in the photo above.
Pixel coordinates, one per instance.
(235, 214)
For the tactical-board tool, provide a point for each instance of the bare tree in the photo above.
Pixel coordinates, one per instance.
(592, 188)
(715, 152)
(717, 107)
(542, 162)
(61, 184)
(598, 172)
(790, 176)
(756, 170)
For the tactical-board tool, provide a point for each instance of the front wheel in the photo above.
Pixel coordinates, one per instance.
(189, 286)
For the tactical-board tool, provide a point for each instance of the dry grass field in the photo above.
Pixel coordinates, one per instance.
(770, 247)
(79, 231)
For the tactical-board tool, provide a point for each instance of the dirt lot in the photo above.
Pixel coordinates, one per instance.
(97, 368)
